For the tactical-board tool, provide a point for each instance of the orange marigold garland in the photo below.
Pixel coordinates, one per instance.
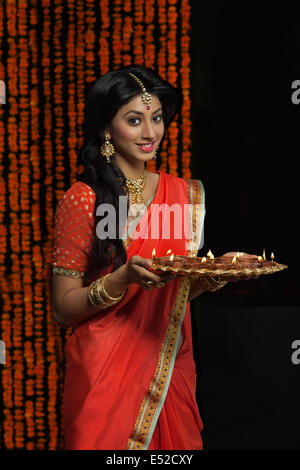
(149, 50)
(162, 69)
(52, 53)
(149, 39)
(5, 322)
(116, 34)
(172, 79)
(139, 32)
(88, 37)
(185, 70)
(75, 77)
(36, 240)
(13, 425)
(127, 32)
(104, 46)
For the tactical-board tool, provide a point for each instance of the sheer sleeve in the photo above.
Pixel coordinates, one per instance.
(201, 202)
(197, 199)
(74, 231)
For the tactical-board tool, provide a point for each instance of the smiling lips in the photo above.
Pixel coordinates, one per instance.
(146, 147)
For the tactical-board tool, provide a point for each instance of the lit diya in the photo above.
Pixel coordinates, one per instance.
(240, 264)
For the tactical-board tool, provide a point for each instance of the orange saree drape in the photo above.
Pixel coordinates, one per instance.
(130, 375)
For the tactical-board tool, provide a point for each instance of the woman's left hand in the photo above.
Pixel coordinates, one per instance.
(241, 277)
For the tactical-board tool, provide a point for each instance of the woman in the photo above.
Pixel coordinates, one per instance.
(130, 374)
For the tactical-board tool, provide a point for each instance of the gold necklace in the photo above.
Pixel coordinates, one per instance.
(135, 187)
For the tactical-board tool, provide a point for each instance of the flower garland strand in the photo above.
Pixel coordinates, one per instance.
(162, 70)
(14, 357)
(186, 124)
(36, 236)
(116, 36)
(5, 320)
(149, 50)
(127, 32)
(172, 76)
(42, 286)
(104, 49)
(138, 33)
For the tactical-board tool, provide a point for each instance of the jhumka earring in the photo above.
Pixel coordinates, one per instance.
(107, 149)
(146, 97)
(154, 156)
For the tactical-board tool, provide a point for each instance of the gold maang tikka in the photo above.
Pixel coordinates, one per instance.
(135, 187)
(146, 97)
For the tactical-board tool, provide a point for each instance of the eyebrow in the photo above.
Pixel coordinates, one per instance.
(138, 112)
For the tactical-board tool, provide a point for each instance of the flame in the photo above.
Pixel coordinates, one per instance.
(260, 258)
(264, 255)
(194, 255)
(153, 253)
(169, 252)
(210, 255)
(172, 257)
(272, 256)
(240, 255)
(203, 260)
(233, 259)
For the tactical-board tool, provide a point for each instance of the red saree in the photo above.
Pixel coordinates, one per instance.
(130, 375)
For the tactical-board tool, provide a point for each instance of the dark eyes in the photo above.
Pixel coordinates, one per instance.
(137, 119)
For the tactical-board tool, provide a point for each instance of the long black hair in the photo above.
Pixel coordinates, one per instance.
(107, 94)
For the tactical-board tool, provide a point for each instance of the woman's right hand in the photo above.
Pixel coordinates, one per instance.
(136, 272)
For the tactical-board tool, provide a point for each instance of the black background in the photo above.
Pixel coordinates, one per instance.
(246, 141)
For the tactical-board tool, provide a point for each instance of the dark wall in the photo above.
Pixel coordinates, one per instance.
(246, 130)
(246, 142)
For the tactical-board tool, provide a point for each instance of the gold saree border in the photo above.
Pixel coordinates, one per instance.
(155, 396)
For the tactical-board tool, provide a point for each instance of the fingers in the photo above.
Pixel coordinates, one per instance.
(230, 254)
(144, 262)
(149, 276)
(145, 277)
(140, 266)
(249, 256)
(157, 281)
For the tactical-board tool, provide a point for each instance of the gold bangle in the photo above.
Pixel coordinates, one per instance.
(94, 297)
(99, 297)
(90, 295)
(103, 291)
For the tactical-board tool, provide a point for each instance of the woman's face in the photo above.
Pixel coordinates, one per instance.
(133, 125)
